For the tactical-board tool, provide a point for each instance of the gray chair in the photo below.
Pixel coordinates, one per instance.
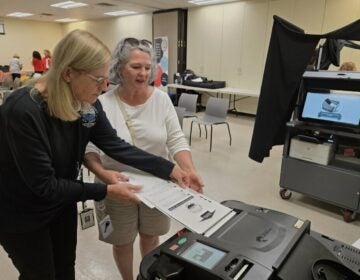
(180, 111)
(215, 113)
(189, 102)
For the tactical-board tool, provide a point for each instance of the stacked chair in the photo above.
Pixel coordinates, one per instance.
(186, 106)
(215, 114)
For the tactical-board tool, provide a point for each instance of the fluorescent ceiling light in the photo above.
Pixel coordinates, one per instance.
(66, 19)
(19, 14)
(120, 13)
(68, 5)
(202, 2)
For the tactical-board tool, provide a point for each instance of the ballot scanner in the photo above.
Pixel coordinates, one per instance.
(255, 244)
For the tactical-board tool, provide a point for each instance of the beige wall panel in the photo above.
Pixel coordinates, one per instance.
(195, 44)
(231, 49)
(166, 25)
(25, 36)
(205, 30)
(340, 13)
(204, 41)
(224, 42)
(110, 31)
(282, 8)
(309, 15)
(213, 43)
(253, 44)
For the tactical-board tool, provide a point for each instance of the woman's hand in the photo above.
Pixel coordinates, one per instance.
(123, 192)
(184, 160)
(180, 177)
(112, 177)
(196, 182)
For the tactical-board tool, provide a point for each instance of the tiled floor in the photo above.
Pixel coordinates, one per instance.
(228, 174)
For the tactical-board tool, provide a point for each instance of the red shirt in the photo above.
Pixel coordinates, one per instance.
(38, 65)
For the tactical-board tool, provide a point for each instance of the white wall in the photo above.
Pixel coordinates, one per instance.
(110, 31)
(229, 41)
(25, 36)
(225, 42)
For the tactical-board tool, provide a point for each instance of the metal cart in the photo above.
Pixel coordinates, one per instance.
(338, 181)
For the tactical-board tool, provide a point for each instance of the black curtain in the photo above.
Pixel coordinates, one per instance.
(290, 50)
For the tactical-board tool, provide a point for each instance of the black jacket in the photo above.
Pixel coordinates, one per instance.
(40, 158)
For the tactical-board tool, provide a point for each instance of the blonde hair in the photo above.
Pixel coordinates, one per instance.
(348, 66)
(47, 53)
(79, 50)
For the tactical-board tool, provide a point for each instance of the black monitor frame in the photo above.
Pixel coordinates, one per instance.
(324, 85)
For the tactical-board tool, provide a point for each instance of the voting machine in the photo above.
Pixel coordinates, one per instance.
(255, 244)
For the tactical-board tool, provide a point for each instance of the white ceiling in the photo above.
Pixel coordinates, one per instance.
(95, 10)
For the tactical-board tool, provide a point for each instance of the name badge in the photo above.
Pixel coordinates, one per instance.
(87, 218)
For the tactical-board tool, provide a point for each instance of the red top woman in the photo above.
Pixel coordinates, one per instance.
(37, 62)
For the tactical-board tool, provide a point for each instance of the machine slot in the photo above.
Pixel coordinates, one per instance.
(232, 265)
(241, 270)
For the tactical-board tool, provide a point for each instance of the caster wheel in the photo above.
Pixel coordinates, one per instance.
(348, 215)
(285, 194)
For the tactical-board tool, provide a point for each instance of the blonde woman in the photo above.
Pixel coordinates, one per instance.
(43, 134)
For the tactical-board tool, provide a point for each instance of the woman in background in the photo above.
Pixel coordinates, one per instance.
(15, 67)
(37, 63)
(47, 59)
(348, 66)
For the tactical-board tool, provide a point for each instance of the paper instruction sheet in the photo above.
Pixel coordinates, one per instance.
(195, 211)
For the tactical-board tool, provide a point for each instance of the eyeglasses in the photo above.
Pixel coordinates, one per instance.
(99, 80)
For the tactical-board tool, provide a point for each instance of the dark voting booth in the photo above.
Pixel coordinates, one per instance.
(318, 148)
(290, 50)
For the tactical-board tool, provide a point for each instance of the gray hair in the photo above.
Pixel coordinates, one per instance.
(121, 56)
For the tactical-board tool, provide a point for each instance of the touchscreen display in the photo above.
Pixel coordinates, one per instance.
(337, 106)
(203, 255)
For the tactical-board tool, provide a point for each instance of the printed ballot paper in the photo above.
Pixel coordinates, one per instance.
(195, 211)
